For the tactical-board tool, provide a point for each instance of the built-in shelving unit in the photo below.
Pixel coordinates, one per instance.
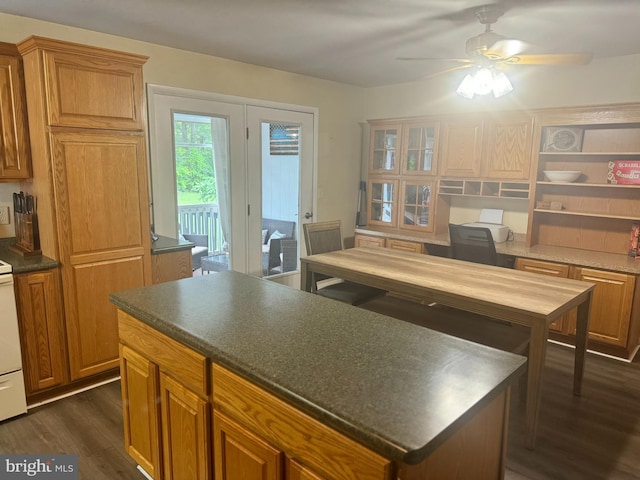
(593, 212)
(484, 188)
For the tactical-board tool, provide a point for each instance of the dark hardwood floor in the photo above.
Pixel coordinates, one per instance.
(596, 436)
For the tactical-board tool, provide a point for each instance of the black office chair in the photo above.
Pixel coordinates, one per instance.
(323, 237)
(472, 244)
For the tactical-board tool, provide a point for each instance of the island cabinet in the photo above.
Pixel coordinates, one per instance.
(86, 122)
(615, 306)
(41, 322)
(165, 388)
(15, 159)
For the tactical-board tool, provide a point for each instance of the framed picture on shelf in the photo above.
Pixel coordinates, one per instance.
(562, 139)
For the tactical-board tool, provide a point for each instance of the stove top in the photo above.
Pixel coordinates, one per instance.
(5, 268)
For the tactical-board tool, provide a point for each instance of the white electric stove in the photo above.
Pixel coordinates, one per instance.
(12, 395)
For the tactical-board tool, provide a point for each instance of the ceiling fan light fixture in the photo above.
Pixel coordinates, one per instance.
(501, 85)
(467, 88)
(483, 82)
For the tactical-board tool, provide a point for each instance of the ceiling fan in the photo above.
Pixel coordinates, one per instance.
(489, 52)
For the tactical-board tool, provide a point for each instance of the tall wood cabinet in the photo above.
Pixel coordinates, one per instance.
(86, 120)
(15, 160)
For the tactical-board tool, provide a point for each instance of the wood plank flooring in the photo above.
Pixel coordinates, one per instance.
(596, 436)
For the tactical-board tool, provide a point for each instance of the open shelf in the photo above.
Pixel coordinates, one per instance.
(588, 185)
(588, 214)
(484, 188)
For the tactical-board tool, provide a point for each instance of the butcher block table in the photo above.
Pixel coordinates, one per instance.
(514, 296)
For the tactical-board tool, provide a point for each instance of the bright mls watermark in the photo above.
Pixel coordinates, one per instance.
(42, 467)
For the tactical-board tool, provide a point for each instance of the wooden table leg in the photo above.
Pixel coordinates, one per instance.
(582, 333)
(537, 355)
(306, 283)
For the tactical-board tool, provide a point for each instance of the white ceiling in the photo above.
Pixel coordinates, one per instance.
(350, 41)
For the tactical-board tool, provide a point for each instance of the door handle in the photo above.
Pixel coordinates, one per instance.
(308, 215)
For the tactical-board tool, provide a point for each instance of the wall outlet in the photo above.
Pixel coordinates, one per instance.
(5, 214)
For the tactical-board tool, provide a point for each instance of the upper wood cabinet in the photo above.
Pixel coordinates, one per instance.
(462, 146)
(489, 147)
(15, 159)
(419, 152)
(507, 146)
(384, 143)
(90, 87)
(383, 200)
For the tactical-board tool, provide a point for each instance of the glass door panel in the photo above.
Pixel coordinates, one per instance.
(416, 206)
(384, 149)
(420, 149)
(382, 204)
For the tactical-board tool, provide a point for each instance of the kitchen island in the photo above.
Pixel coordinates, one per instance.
(252, 374)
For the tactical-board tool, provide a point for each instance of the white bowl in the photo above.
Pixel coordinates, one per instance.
(562, 175)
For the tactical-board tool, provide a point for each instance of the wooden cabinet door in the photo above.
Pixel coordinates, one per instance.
(185, 432)
(242, 455)
(383, 200)
(90, 87)
(553, 270)
(42, 329)
(415, 209)
(140, 410)
(170, 266)
(610, 305)
(368, 241)
(419, 152)
(507, 147)
(297, 471)
(102, 214)
(461, 147)
(384, 147)
(404, 245)
(15, 161)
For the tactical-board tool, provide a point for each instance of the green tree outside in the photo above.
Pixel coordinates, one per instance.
(195, 175)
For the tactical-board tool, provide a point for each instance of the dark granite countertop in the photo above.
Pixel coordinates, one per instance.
(22, 264)
(167, 245)
(397, 388)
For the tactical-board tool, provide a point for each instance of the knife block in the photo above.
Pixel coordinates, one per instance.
(27, 237)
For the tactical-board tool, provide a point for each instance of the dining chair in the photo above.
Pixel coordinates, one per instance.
(324, 237)
(472, 244)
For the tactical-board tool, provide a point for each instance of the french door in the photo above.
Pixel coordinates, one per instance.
(263, 156)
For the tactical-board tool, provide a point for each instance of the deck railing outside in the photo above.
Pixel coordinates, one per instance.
(202, 219)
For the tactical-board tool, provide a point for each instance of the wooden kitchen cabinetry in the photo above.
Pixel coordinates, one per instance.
(590, 213)
(90, 179)
(257, 433)
(165, 409)
(361, 240)
(496, 147)
(613, 305)
(15, 159)
(41, 322)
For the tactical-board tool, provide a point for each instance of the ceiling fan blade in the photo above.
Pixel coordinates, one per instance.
(506, 48)
(448, 70)
(459, 60)
(550, 59)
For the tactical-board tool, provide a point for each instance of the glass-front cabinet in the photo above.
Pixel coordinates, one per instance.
(383, 202)
(383, 149)
(419, 149)
(416, 211)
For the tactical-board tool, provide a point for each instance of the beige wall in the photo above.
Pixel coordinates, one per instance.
(340, 106)
(604, 81)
